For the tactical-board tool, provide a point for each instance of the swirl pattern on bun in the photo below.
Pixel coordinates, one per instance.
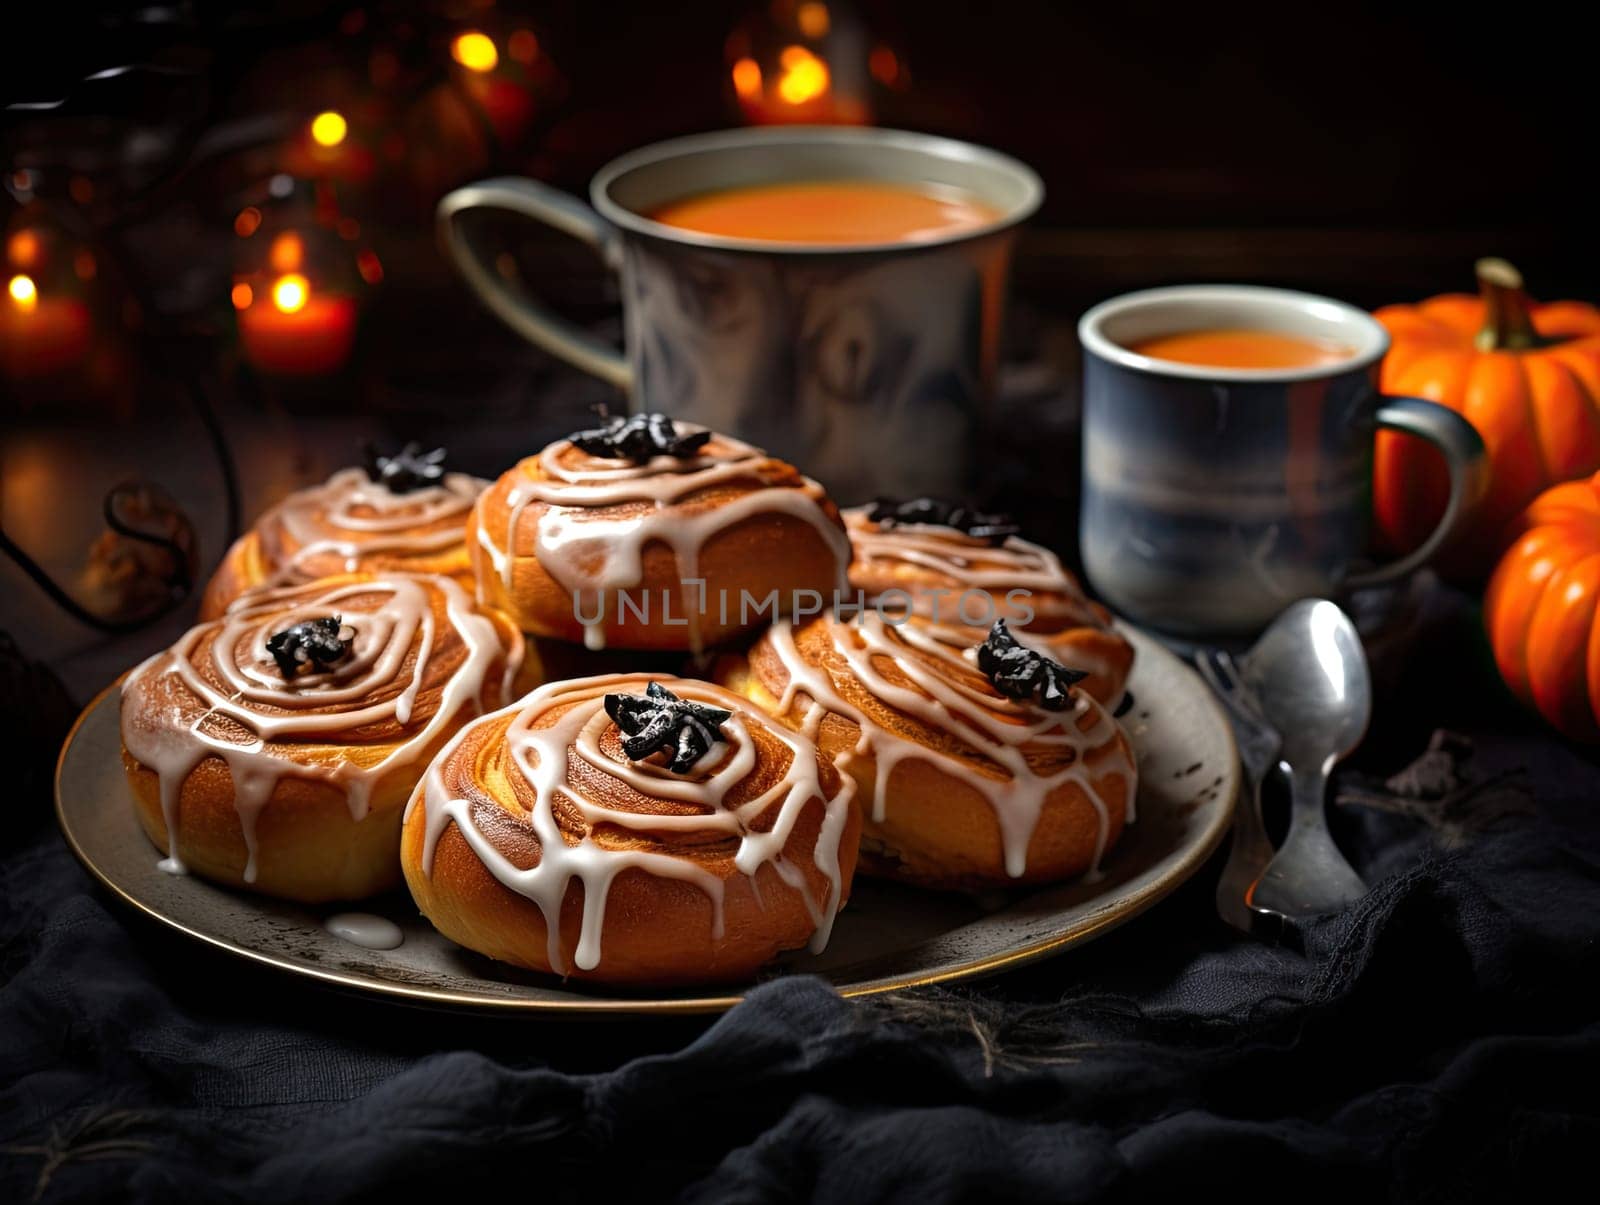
(962, 786)
(536, 839)
(658, 554)
(961, 583)
(350, 524)
(293, 782)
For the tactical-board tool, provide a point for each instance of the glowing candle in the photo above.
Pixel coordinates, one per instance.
(40, 335)
(294, 330)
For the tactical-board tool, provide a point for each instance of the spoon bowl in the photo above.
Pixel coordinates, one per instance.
(1310, 673)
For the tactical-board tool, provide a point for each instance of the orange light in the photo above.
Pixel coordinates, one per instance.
(23, 292)
(884, 65)
(349, 228)
(248, 221)
(23, 248)
(286, 253)
(805, 76)
(290, 293)
(475, 51)
(370, 267)
(84, 266)
(523, 46)
(243, 295)
(747, 78)
(329, 128)
(812, 18)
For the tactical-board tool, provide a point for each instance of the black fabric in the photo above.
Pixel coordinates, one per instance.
(1439, 1041)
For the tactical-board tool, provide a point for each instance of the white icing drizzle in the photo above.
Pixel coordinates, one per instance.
(967, 563)
(962, 705)
(365, 929)
(589, 555)
(266, 729)
(543, 756)
(973, 564)
(350, 518)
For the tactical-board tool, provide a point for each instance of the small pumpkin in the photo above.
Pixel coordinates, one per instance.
(1541, 609)
(1527, 376)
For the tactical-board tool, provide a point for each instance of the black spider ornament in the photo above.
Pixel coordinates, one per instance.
(408, 469)
(937, 512)
(317, 643)
(659, 721)
(640, 438)
(1022, 674)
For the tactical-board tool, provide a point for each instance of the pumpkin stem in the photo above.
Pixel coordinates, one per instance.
(1507, 324)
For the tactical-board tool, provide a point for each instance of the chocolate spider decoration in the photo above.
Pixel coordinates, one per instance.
(408, 469)
(658, 721)
(640, 438)
(980, 525)
(1020, 673)
(317, 643)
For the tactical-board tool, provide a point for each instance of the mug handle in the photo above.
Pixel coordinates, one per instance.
(1467, 459)
(528, 318)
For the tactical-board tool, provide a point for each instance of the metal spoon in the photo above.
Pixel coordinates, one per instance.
(1310, 673)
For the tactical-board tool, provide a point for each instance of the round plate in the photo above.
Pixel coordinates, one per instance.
(888, 937)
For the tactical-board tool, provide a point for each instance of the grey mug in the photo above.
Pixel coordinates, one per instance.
(1214, 497)
(867, 365)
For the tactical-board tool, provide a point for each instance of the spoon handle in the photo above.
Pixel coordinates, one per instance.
(1309, 876)
(1247, 860)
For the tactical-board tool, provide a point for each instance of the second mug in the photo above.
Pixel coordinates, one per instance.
(1217, 492)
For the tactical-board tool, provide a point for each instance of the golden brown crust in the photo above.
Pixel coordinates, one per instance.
(932, 826)
(1066, 625)
(770, 552)
(309, 844)
(275, 552)
(654, 929)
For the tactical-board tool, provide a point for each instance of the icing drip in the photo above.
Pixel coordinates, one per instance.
(365, 929)
(336, 526)
(542, 756)
(590, 555)
(239, 707)
(958, 702)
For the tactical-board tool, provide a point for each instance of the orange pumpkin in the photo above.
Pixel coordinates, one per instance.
(1527, 376)
(1541, 609)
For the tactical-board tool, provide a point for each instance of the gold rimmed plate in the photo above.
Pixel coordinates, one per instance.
(888, 938)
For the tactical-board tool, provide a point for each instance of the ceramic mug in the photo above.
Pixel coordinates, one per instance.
(868, 366)
(1214, 497)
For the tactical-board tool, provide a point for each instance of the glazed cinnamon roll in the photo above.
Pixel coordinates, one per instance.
(962, 569)
(968, 778)
(401, 513)
(627, 829)
(274, 748)
(647, 534)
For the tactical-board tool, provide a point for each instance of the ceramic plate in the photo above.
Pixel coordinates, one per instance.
(889, 937)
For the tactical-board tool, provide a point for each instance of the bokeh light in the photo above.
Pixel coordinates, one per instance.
(475, 51)
(290, 293)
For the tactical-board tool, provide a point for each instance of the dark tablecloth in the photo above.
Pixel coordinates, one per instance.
(1438, 1041)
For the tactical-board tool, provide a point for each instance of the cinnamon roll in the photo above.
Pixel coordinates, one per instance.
(962, 569)
(647, 534)
(274, 748)
(629, 829)
(968, 780)
(401, 513)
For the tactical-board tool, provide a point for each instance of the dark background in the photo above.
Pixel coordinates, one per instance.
(1176, 140)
